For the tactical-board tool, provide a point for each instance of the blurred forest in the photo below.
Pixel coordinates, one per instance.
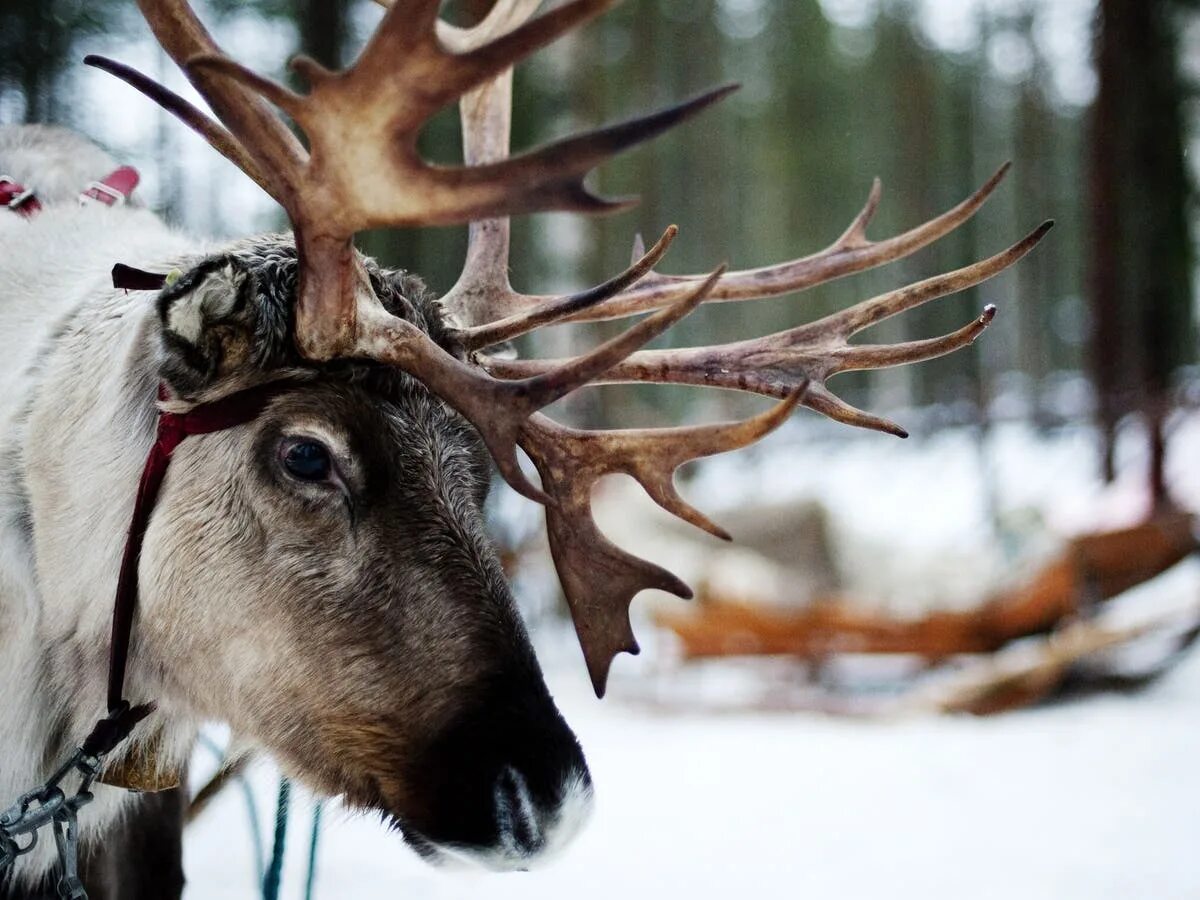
(1092, 100)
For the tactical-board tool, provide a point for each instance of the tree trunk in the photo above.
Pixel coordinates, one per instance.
(1141, 291)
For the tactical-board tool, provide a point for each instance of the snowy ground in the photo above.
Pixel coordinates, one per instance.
(1084, 801)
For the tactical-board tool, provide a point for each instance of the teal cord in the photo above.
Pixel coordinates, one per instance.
(275, 870)
(309, 882)
(271, 877)
(251, 810)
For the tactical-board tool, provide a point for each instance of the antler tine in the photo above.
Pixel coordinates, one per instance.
(500, 409)
(217, 136)
(777, 364)
(850, 254)
(479, 53)
(483, 293)
(869, 312)
(255, 125)
(562, 308)
(503, 17)
(483, 284)
(599, 579)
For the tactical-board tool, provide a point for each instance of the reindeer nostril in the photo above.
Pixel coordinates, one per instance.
(518, 824)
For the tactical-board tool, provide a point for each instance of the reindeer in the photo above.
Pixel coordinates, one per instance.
(318, 575)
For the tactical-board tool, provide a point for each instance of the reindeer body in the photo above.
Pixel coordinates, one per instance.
(74, 353)
(80, 363)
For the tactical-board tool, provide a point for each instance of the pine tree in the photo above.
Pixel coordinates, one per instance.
(1141, 287)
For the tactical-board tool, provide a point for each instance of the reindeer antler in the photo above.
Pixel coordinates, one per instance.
(808, 355)
(361, 169)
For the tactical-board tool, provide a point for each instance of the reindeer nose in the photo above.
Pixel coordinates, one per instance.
(527, 828)
(520, 826)
(505, 784)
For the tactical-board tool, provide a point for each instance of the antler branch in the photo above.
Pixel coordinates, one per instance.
(215, 134)
(776, 365)
(850, 254)
(599, 579)
(360, 168)
(500, 409)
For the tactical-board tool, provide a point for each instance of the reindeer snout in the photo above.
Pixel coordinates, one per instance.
(527, 829)
(506, 785)
(520, 825)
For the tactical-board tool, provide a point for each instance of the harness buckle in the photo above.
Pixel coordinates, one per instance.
(18, 200)
(110, 196)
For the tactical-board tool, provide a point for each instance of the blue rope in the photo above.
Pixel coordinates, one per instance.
(312, 852)
(251, 810)
(270, 877)
(275, 869)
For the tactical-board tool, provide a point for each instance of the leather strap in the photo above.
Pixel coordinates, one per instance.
(130, 279)
(143, 772)
(114, 189)
(173, 428)
(18, 198)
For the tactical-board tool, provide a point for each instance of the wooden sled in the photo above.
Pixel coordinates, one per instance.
(1056, 604)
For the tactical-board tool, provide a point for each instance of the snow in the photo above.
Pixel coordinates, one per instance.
(1086, 800)
(1090, 801)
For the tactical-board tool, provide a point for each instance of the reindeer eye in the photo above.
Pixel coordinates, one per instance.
(307, 460)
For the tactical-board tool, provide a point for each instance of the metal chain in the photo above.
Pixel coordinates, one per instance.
(49, 805)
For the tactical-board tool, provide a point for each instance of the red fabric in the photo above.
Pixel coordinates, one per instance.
(26, 203)
(116, 187)
(121, 184)
(228, 412)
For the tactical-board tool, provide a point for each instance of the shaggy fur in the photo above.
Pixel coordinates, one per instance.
(359, 629)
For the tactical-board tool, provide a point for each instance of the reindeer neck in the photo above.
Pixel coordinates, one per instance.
(77, 391)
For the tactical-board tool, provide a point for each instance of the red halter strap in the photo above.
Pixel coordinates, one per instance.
(228, 412)
(112, 190)
(18, 198)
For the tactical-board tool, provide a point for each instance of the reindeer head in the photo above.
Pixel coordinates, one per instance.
(348, 515)
(350, 509)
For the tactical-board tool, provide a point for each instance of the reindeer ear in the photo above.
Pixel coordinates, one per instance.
(208, 324)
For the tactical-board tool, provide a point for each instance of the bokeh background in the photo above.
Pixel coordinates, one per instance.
(1075, 416)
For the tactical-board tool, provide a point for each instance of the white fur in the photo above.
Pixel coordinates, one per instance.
(55, 162)
(76, 396)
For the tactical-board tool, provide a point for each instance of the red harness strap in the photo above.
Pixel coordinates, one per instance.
(113, 190)
(236, 409)
(18, 198)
